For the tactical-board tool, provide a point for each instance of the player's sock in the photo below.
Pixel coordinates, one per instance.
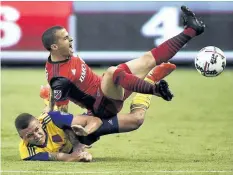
(132, 83)
(142, 101)
(125, 68)
(169, 48)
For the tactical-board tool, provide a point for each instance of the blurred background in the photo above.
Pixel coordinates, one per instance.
(110, 32)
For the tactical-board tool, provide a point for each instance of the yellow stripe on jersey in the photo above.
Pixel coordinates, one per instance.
(56, 140)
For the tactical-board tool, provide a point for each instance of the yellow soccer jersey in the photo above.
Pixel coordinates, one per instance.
(56, 140)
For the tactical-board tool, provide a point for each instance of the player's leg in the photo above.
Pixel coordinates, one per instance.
(139, 106)
(116, 80)
(164, 52)
(123, 122)
(106, 107)
(85, 125)
(127, 76)
(141, 102)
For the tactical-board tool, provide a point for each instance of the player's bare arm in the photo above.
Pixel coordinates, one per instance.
(47, 94)
(63, 108)
(51, 101)
(83, 125)
(73, 157)
(73, 138)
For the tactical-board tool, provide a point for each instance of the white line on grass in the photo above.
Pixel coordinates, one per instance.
(110, 172)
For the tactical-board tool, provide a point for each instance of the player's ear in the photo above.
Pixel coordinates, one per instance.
(54, 47)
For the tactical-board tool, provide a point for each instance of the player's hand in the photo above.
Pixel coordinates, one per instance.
(79, 130)
(83, 156)
(163, 90)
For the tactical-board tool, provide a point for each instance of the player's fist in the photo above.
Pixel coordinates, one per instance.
(85, 157)
(79, 130)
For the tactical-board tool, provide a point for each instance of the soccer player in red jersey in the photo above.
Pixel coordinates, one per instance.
(120, 122)
(71, 79)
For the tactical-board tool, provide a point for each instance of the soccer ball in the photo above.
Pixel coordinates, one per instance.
(210, 61)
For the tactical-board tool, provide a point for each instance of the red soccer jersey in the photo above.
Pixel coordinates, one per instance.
(72, 79)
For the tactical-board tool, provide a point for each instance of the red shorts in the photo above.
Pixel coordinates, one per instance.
(105, 107)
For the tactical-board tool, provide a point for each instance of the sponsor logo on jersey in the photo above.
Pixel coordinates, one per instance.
(83, 73)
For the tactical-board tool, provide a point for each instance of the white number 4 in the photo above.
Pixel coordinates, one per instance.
(164, 25)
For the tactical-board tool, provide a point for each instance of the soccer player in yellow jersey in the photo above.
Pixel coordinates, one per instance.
(44, 138)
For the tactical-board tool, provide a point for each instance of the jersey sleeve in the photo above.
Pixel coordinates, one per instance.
(42, 156)
(61, 87)
(61, 119)
(31, 153)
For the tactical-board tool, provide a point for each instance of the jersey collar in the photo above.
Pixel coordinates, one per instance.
(57, 62)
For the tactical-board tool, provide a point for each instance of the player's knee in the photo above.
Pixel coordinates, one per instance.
(148, 60)
(110, 71)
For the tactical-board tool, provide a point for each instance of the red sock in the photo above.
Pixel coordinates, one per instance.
(169, 48)
(127, 70)
(132, 83)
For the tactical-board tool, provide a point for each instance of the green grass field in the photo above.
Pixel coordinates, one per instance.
(193, 134)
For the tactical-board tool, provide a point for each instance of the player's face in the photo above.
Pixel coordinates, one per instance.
(33, 134)
(64, 43)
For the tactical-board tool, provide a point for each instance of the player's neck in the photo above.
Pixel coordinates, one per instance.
(56, 58)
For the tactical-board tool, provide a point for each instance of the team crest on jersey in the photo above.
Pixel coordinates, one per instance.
(57, 94)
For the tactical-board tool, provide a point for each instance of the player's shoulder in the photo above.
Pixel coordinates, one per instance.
(44, 118)
(57, 114)
(23, 145)
(48, 120)
(77, 58)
